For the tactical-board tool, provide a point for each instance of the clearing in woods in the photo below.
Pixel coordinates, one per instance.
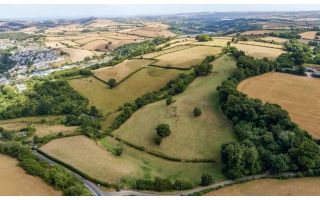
(14, 181)
(272, 187)
(259, 51)
(108, 100)
(121, 70)
(98, 161)
(192, 137)
(296, 94)
(186, 58)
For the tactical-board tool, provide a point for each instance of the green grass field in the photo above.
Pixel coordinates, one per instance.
(108, 100)
(95, 160)
(191, 138)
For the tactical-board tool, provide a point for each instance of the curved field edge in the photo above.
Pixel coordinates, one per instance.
(192, 138)
(296, 94)
(14, 181)
(272, 187)
(98, 162)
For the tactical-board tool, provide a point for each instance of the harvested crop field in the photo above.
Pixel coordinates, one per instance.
(275, 39)
(177, 42)
(96, 45)
(296, 94)
(272, 187)
(108, 100)
(262, 44)
(121, 70)
(84, 154)
(258, 51)
(166, 51)
(14, 181)
(77, 54)
(221, 42)
(309, 35)
(186, 58)
(207, 132)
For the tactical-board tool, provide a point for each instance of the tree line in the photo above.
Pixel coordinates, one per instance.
(268, 140)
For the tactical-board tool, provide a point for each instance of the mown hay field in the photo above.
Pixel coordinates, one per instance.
(177, 42)
(192, 137)
(275, 39)
(262, 44)
(94, 160)
(309, 35)
(187, 58)
(166, 51)
(121, 70)
(221, 42)
(272, 187)
(77, 54)
(296, 94)
(14, 181)
(108, 100)
(258, 51)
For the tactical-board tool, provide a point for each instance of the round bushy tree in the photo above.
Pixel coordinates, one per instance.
(163, 130)
(112, 82)
(206, 179)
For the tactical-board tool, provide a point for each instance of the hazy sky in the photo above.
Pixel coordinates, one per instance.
(76, 11)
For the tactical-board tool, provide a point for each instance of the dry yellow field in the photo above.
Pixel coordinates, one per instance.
(100, 45)
(186, 58)
(166, 51)
(150, 30)
(272, 187)
(258, 51)
(262, 44)
(298, 95)
(85, 155)
(275, 39)
(309, 35)
(177, 42)
(14, 181)
(221, 42)
(121, 70)
(77, 54)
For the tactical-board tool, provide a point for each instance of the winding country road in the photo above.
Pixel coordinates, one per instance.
(97, 191)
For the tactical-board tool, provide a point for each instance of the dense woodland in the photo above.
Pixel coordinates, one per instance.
(268, 140)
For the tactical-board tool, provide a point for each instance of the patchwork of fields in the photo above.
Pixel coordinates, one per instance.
(187, 58)
(298, 95)
(108, 100)
(191, 138)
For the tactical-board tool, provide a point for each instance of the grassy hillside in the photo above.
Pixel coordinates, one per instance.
(108, 100)
(98, 162)
(191, 138)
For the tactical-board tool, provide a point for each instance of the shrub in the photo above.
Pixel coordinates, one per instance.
(169, 100)
(206, 179)
(197, 112)
(203, 38)
(163, 130)
(112, 82)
